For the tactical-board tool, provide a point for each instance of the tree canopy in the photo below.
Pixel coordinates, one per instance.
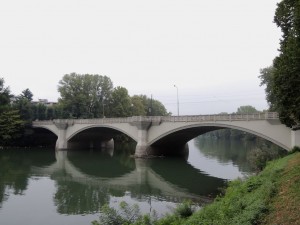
(82, 95)
(246, 109)
(4, 96)
(282, 80)
(93, 96)
(11, 124)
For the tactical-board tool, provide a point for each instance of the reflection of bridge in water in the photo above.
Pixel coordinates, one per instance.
(172, 185)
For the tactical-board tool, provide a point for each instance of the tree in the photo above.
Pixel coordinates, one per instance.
(152, 107)
(138, 108)
(283, 80)
(5, 96)
(246, 109)
(267, 78)
(83, 95)
(24, 105)
(27, 94)
(158, 109)
(11, 126)
(120, 103)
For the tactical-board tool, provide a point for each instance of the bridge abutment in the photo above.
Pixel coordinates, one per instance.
(295, 135)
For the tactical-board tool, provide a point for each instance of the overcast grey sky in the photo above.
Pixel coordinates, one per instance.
(211, 50)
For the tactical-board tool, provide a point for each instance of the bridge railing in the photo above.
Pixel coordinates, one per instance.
(159, 119)
(222, 117)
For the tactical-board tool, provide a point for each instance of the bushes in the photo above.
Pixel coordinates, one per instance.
(295, 149)
(125, 216)
(131, 215)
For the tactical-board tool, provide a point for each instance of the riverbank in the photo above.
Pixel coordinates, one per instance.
(271, 197)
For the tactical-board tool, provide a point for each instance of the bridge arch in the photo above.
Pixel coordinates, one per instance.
(87, 127)
(52, 129)
(189, 131)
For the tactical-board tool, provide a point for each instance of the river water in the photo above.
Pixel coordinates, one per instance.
(42, 186)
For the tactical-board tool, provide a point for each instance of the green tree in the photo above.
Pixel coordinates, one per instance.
(27, 94)
(11, 127)
(5, 96)
(120, 103)
(267, 78)
(39, 111)
(158, 109)
(152, 107)
(23, 104)
(24, 107)
(138, 108)
(283, 80)
(246, 109)
(82, 96)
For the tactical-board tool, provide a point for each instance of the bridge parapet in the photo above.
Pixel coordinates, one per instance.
(222, 117)
(156, 120)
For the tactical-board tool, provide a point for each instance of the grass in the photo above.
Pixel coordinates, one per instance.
(245, 202)
(285, 205)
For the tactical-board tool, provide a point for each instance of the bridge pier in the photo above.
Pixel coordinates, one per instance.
(61, 143)
(142, 143)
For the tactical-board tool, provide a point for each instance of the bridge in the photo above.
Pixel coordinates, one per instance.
(164, 135)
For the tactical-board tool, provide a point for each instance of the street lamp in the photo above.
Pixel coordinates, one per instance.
(102, 100)
(103, 106)
(177, 100)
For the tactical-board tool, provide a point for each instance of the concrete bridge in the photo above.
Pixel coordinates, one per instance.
(164, 135)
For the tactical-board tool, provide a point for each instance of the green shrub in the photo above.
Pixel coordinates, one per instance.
(295, 149)
(184, 209)
(126, 215)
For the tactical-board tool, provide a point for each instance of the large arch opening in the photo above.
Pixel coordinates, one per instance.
(40, 137)
(98, 138)
(175, 141)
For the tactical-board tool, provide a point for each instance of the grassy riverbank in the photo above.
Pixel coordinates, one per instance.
(272, 197)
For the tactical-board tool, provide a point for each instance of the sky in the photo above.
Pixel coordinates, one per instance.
(211, 50)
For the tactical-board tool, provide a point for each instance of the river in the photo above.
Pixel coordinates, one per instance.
(42, 186)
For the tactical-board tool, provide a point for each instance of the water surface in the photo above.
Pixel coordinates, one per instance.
(39, 186)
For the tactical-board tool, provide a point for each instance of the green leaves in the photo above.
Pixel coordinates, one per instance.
(83, 96)
(246, 109)
(283, 79)
(11, 126)
(93, 96)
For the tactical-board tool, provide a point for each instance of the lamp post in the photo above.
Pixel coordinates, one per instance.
(103, 106)
(177, 100)
(102, 100)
